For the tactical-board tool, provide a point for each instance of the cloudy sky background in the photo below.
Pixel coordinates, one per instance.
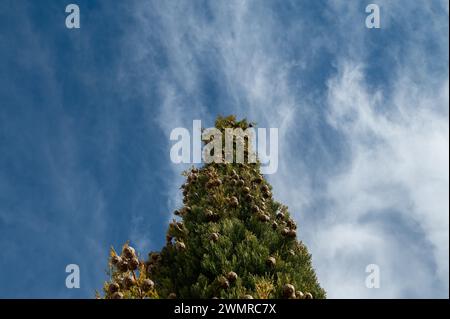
(85, 118)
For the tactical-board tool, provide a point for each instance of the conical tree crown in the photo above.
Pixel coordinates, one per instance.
(231, 239)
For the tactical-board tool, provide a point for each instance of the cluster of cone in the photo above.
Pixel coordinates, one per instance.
(290, 293)
(128, 276)
(242, 188)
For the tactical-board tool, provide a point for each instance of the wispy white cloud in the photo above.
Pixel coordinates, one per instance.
(399, 163)
(386, 199)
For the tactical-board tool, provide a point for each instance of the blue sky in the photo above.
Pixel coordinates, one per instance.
(85, 118)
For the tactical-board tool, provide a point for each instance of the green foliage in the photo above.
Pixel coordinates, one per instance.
(231, 239)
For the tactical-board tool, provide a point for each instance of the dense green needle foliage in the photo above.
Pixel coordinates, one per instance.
(230, 239)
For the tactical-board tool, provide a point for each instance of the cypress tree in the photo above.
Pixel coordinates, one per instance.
(230, 239)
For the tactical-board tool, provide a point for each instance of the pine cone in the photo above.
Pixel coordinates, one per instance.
(128, 252)
(179, 226)
(291, 224)
(128, 282)
(274, 225)
(247, 297)
(133, 264)
(122, 266)
(308, 295)
(299, 294)
(288, 291)
(249, 197)
(117, 295)
(148, 285)
(212, 217)
(115, 260)
(154, 256)
(208, 213)
(258, 179)
(214, 183)
(214, 237)
(232, 276)
(179, 245)
(113, 287)
(223, 282)
(234, 202)
(271, 262)
(150, 269)
(172, 295)
(292, 233)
